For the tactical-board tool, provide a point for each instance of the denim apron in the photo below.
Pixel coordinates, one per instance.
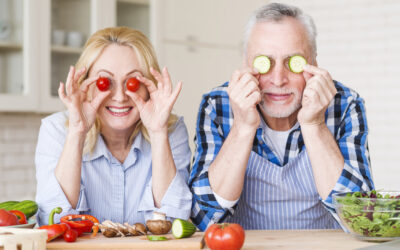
(276, 197)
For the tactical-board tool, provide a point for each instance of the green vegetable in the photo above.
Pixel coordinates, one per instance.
(156, 238)
(296, 63)
(182, 228)
(370, 214)
(28, 207)
(5, 205)
(262, 64)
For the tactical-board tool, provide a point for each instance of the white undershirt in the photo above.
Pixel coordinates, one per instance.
(276, 141)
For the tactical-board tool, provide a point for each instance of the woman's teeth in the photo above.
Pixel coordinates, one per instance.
(119, 110)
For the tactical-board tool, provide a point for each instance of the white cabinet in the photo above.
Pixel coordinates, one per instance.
(200, 43)
(40, 39)
(19, 55)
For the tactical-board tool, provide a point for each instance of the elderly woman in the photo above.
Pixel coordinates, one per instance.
(117, 153)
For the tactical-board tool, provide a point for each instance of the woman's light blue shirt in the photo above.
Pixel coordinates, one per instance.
(111, 190)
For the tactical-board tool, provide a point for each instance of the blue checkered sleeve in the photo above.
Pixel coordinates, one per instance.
(212, 125)
(348, 118)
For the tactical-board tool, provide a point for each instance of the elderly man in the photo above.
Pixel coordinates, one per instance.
(274, 143)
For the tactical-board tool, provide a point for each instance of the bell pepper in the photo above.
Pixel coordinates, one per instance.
(21, 216)
(54, 230)
(82, 223)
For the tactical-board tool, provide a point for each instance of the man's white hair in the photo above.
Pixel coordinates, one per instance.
(276, 12)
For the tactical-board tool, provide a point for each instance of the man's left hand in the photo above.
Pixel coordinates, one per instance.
(318, 93)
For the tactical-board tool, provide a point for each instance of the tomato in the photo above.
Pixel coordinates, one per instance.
(224, 236)
(133, 84)
(8, 218)
(70, 235)
(103, 83)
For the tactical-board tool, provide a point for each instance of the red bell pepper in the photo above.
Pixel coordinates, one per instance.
(82, 223)
(54, 230)
(21, 216)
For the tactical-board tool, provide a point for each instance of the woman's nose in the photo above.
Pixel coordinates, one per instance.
(118, 93)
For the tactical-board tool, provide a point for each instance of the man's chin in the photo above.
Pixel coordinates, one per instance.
(279, 111)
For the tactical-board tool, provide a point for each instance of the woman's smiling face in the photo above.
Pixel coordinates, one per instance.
(118, 63)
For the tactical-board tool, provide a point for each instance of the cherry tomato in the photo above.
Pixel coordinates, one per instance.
(70, 235)
(103, 83)
(224, 236)
(133, 84)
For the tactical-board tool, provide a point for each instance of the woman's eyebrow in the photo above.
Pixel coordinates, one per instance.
(133, 71)
(104, 70)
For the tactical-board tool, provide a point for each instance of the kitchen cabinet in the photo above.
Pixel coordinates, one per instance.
(40, 39)
(19, 55)
(202, 52)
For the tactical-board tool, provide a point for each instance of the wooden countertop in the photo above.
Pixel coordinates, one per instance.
(255, 239)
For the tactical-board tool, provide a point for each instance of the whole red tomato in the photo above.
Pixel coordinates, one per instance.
(8, 218)
(224, 236)
(133, 84)
(103, 83)
(70, 235)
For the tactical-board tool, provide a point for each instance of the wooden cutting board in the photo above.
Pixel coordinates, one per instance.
(255, 240)
(131, 242)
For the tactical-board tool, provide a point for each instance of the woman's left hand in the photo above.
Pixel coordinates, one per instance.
(155, 112)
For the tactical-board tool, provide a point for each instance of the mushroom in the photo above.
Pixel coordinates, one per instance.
(136, 229)
(158, 225)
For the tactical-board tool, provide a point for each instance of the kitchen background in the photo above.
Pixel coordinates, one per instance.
(199, 41)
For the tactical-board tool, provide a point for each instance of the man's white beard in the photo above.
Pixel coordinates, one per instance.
(281, 112)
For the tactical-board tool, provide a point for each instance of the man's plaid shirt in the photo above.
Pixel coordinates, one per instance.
(345, 117)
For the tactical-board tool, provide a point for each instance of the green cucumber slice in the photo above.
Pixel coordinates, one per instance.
(182, 228)
(262, 64)
(156, 238)
(296, 63)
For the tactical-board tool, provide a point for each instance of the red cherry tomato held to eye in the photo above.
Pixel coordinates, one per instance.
(133, 84)
(70, 235)
(224, 236)
(103, 84)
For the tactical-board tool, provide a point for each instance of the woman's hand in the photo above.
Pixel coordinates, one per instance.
(82, 112)
(155, 112)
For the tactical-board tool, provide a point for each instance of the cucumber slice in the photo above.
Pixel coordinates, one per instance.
(262, 64)
(296, 63)
(182, 228)
(156, 238)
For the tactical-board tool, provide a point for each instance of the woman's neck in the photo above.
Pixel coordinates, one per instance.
(117, 142)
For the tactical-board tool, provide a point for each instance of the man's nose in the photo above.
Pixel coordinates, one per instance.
(279, 75)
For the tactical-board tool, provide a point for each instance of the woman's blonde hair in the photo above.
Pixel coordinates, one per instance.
(145, 53)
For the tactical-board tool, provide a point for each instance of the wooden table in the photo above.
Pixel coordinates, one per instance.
(260, 239)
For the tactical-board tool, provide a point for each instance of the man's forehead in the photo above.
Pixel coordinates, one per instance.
(285, 37)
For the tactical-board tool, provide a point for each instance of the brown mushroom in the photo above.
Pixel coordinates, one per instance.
(110, 232)
(158, 225)
(140, 228)
(136, 229)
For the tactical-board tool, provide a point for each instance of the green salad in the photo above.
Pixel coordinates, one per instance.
(370, 214)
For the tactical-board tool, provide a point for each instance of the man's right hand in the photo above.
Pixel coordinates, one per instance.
(244, 95)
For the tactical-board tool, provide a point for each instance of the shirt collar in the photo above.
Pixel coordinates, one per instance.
(100, 149)
(139, 145)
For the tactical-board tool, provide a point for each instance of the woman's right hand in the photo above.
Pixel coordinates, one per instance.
(82, 111)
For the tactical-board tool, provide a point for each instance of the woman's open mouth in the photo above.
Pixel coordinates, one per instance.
(119, 111)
